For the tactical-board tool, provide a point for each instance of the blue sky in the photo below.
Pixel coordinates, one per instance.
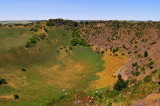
(80, 9)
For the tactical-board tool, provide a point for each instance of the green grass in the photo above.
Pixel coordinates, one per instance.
(32, 85)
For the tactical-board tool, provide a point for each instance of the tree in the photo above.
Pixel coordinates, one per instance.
(120, 84)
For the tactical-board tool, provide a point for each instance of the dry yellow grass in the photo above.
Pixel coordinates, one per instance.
(64, 77)
(6, 97)
(15, 79)
(112, 64)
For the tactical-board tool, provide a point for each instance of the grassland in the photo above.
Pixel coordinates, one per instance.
(51, 66)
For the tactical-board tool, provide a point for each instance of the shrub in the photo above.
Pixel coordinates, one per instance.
(145, 54)
(155, 71)
(32, 41)
(136, 73)
(150, 67)
(151, 63)
(143, 69)
(135, 64)
(75, 42)
(23, 69)
(42, 36)
(3, 81)
(115, 49)
(49, 23)
(16, 96)
(158, 74)
(124, 46)
(34, 29)
(75, 24)
(139, 55)
(147, 78)
(120, 84)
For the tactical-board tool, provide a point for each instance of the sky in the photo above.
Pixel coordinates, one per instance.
(80, 9)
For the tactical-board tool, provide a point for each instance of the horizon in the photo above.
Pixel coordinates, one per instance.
(143, 10)
(76, 20)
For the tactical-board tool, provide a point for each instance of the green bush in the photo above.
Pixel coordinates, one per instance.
(115, 49)
(124, 46)
(75, 42)
(150, 67)
(136, 73)
(16, 96)
(3, 81)
(147, 78)
(120, 84)
(135, 64)
(155, 71)
(49, 23)
(23, 69)
(145, 54)
(31, 42)
(34, 29)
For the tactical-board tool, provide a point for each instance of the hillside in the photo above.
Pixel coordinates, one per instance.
(64, 62)
(137, 40)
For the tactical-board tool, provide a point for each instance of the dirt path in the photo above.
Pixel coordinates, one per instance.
(112, 64)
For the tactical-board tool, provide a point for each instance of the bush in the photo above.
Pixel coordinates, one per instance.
(145, 54)
(31, 42)
(42, 36)
(155, 71)
(136, 73)
(150, 67)
(147, 78)
(23, 69)
(16, 96)
(120, 84)
(143, 68)
(49, 23)
(115, 49)
(3, 81)
(135, 64)
(75, 42)
(34, 29)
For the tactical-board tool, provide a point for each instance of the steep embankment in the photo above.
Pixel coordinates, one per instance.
(137, 40)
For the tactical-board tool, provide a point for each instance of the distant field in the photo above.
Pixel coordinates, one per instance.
(15, 22)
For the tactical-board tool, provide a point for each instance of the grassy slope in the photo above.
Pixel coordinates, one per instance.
(48, 71)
